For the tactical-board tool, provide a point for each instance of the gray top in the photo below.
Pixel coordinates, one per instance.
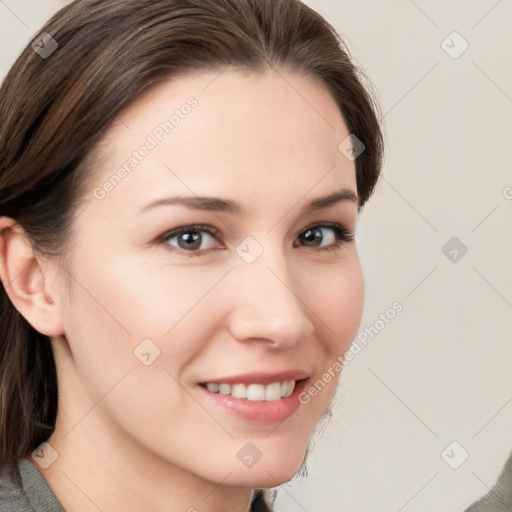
(499, 498)
(34, 495)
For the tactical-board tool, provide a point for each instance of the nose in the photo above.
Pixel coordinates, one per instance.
(266, 304)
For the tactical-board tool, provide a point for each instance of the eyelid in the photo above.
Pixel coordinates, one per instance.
(190, 227)
(332, 225)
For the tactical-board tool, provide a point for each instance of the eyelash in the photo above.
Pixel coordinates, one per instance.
(342, 234)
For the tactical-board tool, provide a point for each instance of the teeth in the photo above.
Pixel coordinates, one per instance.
(291, 387)
(254, 392)
(273, 392)
(224, 389)
(239, 391)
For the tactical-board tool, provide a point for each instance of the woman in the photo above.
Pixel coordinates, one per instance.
(179, 186)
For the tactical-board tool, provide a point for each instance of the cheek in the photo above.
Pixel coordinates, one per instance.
(338, 306)
(336, 298)
(116, 307)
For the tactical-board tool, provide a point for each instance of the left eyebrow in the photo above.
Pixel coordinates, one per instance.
(326, 201)
(217, 204)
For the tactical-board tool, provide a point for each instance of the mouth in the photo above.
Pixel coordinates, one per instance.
(254, 392)
(257, 398)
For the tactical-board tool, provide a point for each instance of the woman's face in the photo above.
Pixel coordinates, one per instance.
(263, 285)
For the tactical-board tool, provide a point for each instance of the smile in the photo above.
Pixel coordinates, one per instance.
(254, 392)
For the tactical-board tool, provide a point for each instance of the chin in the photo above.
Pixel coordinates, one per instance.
(270, 473)
(262, 480)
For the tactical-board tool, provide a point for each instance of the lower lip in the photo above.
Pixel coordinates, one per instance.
(259, 411)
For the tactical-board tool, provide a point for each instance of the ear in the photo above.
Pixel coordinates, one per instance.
(27, 280)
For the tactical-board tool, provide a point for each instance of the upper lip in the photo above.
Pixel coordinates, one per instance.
(262, 377)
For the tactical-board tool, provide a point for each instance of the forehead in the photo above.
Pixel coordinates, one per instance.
(230, 132)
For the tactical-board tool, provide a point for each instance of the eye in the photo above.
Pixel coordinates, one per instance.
(192, 238)
(326, 236)
(195, 239)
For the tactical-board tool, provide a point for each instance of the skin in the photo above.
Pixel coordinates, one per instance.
(252, 139)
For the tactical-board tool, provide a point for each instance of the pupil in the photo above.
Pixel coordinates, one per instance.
(189, 240)
(312, 236)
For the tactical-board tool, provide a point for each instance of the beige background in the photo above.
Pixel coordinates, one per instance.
(440, 371)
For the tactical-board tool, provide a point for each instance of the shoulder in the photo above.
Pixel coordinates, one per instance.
(12, 493)
(499, 498)
(26, 491)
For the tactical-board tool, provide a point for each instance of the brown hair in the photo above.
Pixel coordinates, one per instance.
(55, 110)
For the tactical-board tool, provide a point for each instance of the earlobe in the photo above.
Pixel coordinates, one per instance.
(27, 281)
